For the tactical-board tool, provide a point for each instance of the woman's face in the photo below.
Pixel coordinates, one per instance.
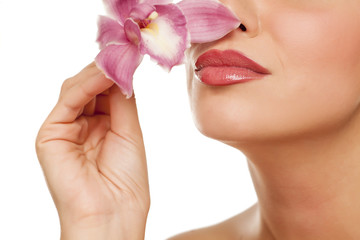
(312, 50)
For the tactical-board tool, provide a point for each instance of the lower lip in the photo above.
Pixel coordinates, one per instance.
(223, 75)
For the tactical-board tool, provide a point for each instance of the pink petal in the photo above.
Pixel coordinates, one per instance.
(141, 11)
(120, 9)
(208, 20)
(110, 31)
(156, 2)
(132, 31)
(166, 38)
(119, 62)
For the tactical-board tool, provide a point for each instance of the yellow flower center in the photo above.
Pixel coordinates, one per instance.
(146, 22)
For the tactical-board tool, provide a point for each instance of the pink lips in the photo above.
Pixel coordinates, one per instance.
(227, 67)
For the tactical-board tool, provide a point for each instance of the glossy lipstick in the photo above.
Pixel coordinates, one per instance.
(219, 68)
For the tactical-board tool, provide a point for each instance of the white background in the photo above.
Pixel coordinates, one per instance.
(194, 181)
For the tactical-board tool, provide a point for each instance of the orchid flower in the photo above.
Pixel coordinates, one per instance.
(158, 28)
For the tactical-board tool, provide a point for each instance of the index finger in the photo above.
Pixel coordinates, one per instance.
(84, 87)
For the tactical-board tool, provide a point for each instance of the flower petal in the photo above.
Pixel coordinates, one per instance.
(119, 63)
(208, 20)
(132, 31)
(110, 31)
(120, 9)
(141, 11)
(156, 2)
(166, 38)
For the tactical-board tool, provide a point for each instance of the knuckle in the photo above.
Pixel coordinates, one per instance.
(66, 85)
(86, 91)
(39, 145)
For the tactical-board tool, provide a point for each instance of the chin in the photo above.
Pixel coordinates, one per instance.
(227, 115)
(220, 115)
(244, 128)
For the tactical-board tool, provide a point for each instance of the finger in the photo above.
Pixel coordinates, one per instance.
(98, 105)
(86, 72)
(74, 99)
(102, 105)
(89, 109)
(106, 92)
(123, 112)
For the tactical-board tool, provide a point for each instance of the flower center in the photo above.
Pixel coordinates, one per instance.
(144, 23)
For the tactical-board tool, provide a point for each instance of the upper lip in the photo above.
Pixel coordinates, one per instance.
(228, 58)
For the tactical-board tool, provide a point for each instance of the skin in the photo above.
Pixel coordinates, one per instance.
(92, 153)
(298, 127)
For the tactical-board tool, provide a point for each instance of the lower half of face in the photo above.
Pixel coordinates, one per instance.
(313, 56)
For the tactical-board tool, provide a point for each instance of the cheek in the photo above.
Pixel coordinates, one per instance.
(320, 62)
(316, 42)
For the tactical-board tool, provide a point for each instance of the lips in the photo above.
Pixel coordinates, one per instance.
(219, 68)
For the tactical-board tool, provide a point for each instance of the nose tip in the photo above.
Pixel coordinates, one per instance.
(249, 14)
(249, 29)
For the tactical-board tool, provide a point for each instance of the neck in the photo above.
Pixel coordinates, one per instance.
(309, 188)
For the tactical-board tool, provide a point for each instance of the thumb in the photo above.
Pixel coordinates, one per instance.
(123, 112)
(127, 162)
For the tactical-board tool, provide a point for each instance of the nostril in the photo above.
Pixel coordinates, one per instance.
(242, 27)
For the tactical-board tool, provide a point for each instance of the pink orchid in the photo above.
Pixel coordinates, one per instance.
(158, 28)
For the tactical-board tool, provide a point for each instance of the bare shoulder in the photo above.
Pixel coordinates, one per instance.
(233, 228)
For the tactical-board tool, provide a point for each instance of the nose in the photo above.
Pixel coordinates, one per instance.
(247, 12)
(242, 27)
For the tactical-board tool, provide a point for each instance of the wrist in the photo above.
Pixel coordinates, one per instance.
(100, 228)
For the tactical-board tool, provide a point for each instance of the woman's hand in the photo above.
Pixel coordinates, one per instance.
(92, 153)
